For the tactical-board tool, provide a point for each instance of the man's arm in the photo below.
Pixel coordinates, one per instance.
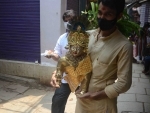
(124, 81)
(52, 55)
(57, 75)
(53, 82)
(92, 95)
(124, 73)
(57, 50)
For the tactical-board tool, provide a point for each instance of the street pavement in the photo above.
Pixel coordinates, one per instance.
(26, 95)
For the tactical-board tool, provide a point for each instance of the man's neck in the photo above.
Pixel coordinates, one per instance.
(107, 33)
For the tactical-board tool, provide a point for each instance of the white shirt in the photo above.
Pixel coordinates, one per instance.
(60, 48)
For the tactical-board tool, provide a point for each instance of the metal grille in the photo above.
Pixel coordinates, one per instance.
(145, 13)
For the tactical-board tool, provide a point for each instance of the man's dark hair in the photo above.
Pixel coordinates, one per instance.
(117, 5)
(69, 13)
(146, 25)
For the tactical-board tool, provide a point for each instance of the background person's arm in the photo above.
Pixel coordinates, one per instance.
(53, 55)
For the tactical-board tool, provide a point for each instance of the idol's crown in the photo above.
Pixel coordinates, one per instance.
(77, 34)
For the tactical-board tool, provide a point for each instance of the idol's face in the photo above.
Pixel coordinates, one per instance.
(76, 50)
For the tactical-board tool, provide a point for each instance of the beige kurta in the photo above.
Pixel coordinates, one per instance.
(112, 58)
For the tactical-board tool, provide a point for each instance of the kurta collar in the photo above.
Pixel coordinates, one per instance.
(110, 36)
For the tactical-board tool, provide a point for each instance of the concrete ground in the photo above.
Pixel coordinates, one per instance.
(26, 95)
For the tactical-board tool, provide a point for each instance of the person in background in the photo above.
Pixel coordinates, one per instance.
(62, 93)
(146, 60)
(111, 54)
(144, 34)
(133, 39)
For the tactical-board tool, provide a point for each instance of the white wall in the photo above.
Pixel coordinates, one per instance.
(51, 25)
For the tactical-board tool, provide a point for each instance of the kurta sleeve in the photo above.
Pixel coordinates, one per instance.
(124, 72)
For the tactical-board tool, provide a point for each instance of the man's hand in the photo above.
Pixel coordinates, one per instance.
(53, 80)
(49, 54)
(92, 95)
(77, 91)
(84, 96)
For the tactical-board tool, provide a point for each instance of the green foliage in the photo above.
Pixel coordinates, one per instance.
(92, 16)
(125, 25)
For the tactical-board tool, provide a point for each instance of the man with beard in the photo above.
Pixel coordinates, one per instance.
(111, 55)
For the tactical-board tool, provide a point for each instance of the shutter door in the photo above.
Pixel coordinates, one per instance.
(20, 30)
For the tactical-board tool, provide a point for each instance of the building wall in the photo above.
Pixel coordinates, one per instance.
(26, 69)
(51, 26)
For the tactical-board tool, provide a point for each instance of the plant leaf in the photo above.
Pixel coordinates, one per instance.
(93, 7)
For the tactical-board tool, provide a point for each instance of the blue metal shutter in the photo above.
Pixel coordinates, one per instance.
(20, 30)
